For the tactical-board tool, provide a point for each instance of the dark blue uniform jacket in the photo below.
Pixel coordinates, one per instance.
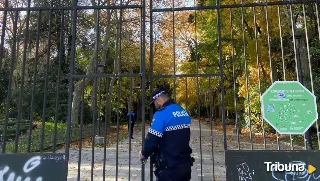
(133, 116)
(169, 134)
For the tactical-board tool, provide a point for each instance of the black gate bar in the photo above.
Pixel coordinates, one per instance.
(226, 6)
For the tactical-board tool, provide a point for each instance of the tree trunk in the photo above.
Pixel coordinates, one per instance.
(104, 62)
(116, 68)
(90, 70)
(16, 72)
(116, 65)
(108, 100)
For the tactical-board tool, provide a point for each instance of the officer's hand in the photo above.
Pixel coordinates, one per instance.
(141, 157)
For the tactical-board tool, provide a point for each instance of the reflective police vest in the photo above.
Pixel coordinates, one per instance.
(170, 130)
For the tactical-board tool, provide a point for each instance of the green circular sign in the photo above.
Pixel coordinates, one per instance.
(289, 107)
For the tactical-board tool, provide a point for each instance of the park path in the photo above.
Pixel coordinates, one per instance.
(204, 148)
(135, 165)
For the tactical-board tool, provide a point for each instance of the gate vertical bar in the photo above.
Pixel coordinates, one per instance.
(105, 134)
(318, 19)
(99, 104)
(44, 107)
(283, 62)
(299, 73)
(308, 135)
(307, 42)
(93, 134)
(3, 31)
(270, 59)
(269, 46)
(246, 72)
(25, 46)
(234, 81)
(143, 76)
(186, 93)
(95, 86)
(258, 69)
(118, 124)
(211, 125)
(281, 44)
(61, 45)
(293, 38)
(81, 127)
(72, 59)
(34, 88)
(8, 102)
(119, 79)
(151, 76)
(294, 42)
(198, 92)
(130, 125)
(174, 51)
(318, 27)
(118, 57)
(297, 61)
(225, 146)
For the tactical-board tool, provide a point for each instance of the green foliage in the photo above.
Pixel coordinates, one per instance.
(12, 127)
(4, 81)
(254, 117)
(245, 51)
(49, 133)
(194, 54)
(43, 77)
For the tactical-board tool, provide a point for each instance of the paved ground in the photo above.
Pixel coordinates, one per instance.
(135, 165)
(202, 167)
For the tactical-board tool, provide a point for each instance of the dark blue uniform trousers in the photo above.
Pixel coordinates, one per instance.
(179, 172)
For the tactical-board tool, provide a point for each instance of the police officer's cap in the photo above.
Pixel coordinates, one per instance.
(158, 92)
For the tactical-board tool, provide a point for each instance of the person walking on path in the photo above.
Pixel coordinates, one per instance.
(131, 118)
(168, 139)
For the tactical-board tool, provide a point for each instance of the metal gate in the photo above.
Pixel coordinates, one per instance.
(71, 70)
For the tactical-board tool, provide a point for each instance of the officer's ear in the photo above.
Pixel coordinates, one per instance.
(159, 100)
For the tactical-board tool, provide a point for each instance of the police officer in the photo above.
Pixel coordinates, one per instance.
(131, 118)
(168, 139)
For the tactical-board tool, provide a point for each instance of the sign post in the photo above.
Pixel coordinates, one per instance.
(289, 107)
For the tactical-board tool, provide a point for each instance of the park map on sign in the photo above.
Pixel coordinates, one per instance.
(289, 107)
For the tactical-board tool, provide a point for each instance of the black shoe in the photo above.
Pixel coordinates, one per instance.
(132, 137)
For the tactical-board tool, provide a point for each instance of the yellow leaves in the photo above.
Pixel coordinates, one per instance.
(227, 49)
(210, 19)
(189, 94)
(208, 46)
(252, 79)
(163, 59)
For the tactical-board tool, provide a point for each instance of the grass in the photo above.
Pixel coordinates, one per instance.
(48, 138)
(11, 127)
(61, 132)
